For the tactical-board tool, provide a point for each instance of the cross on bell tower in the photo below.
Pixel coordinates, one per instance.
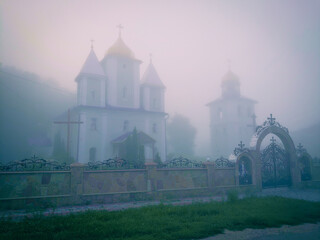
(120, 27)
(92, 40)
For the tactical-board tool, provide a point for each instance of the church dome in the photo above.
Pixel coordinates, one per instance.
(230, 79)
(119, 48)
(230, 85)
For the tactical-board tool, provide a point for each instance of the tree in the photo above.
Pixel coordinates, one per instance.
(181, 135)
(157, 159)
(134, 151)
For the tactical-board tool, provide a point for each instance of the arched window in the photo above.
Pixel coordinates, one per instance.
(154, 128)
(124, 92)
(245, 171)
(154, 103)
(92, 154)
(93, 125)
(220, 114)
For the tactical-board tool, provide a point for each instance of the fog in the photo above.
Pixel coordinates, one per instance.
(273, 46)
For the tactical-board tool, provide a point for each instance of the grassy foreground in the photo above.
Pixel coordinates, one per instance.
(165, 222)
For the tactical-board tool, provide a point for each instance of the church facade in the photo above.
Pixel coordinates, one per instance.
(232, 118)
(112, 100)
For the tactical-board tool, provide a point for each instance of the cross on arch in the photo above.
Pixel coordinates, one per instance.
(300, 146)
(241, 145)
(271, 119)
(273, 140)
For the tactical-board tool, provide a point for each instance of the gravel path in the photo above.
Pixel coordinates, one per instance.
(306, 231)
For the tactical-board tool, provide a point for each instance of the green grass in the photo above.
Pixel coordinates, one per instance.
(165, 222)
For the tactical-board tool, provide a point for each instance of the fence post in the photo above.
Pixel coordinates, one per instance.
(76, 182)
(151, 168)
(210, 174)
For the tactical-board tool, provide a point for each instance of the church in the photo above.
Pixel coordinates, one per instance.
(112, 100)
(232, 118)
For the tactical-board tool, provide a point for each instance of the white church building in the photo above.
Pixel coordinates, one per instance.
(112, 100)
(232, 118)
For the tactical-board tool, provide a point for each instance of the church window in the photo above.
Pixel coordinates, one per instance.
(154, 103)
(92, 154)
(154, 128)
(239, 111)
(125, 125)
(93, 125)
(124, 92)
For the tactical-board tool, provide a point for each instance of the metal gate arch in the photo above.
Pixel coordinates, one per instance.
(272, 127)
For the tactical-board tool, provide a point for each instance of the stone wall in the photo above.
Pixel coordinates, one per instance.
(34, 184)
(114, 181)
(224, 177)
(168, 179)
(80, 186)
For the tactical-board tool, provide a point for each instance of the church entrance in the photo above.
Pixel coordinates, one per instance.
(275, 169)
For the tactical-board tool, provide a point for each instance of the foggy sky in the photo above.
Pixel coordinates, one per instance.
(273, 46)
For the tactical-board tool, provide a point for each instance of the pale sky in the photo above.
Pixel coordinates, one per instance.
(273, 46)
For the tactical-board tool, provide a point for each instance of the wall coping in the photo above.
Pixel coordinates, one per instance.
(35, 197)
(150, 164)
(115, 170)
(34, 172)
(181, 189)
(112, 193)
(180, 169)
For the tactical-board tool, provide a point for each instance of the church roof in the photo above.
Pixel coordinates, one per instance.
(92, 65)
(151, 77)
(241, 98)
(121, 49)
(143, 138)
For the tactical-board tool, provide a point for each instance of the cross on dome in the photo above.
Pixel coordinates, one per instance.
(150, 56)
(229, 64)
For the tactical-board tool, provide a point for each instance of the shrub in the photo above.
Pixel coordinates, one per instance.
(232, 195)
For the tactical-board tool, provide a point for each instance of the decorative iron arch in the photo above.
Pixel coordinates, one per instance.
(270, 126)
